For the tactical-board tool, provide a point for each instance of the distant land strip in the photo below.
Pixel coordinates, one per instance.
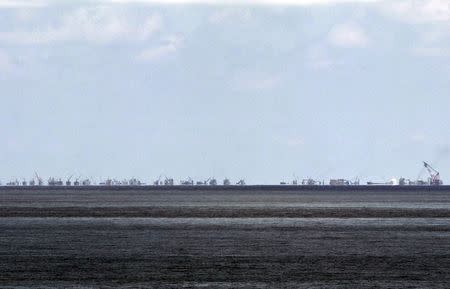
(293, 188)
(223, 212)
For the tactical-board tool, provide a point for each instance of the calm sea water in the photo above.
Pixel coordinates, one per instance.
(105, 198)
(210, 252)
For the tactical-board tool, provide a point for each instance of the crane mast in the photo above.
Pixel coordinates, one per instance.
(39, 180)
(434, 175)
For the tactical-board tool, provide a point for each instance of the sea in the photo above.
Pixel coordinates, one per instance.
(224, 239)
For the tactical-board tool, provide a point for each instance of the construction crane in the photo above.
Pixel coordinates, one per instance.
(201, 183)
(54, 182)
(310, 182)
(168, 182)
(40, 182)
(434, 179)
(157, 182)
(295, 180)
(212, 182)
(133, 182)
(241, 182)
(68, 182)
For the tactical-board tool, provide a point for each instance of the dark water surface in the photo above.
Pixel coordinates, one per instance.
(224, 239)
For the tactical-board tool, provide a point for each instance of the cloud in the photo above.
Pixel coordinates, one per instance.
(40, 3)
(229, 14)
(431, 20)
(171, 45)
(246, 2)
(348, 35)
(21, 3)
(418, 11)
(87, 24)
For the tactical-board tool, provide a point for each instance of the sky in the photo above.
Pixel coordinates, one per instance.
(265, 90)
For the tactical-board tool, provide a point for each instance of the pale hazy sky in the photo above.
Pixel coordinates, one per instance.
(201, 88)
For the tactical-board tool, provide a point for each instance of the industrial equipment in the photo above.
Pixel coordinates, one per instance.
(310, 182)
(40, 182)
(69, 182)
(158, 182)
(134, 182)
(168, 182)
(13, 183)
(203, 183)
(339, 182)
(434, 179)
(241, 183)
(188, 182)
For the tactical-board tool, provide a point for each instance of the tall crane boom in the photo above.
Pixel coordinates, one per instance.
(434, 175)
(40, 182)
